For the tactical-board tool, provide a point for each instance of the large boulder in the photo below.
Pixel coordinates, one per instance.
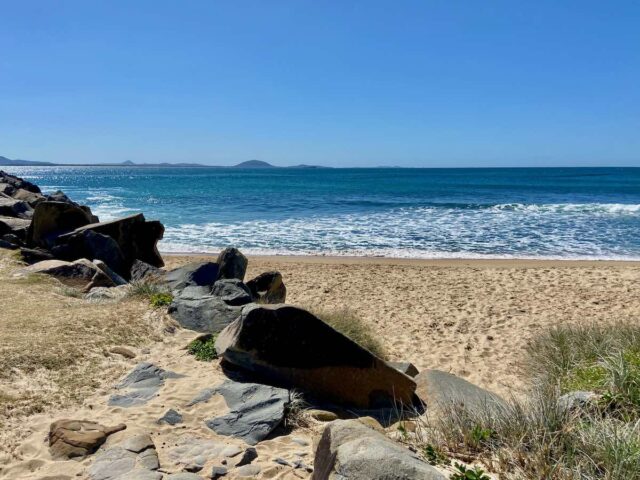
(30, 197)
(196, 309)
(291, 347)
(78, 438)
(94, 246)
(348, 449)
(35, 255)
(52, 219)
(442, 391)
(17, 182)
(268, 287)
(10, 207)
(79, 274)
(197, 274)
(232, 263)
(136, 237)
(14, 226)
(232, 292)
(143, 272)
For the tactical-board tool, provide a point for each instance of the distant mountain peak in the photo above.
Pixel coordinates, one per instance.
(254, 164)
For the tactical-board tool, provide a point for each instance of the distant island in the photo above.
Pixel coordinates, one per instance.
(258, 164)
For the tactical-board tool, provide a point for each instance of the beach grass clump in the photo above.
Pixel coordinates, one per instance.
(160, 299)
(352, 326)
(203, 348)
(539, 437)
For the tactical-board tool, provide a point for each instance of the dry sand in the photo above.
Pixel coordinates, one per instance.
(472, 318)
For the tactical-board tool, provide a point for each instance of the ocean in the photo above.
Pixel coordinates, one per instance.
(558, 213)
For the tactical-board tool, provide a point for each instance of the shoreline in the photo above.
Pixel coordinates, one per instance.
(426, 262)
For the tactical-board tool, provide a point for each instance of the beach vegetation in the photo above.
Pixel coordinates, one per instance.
(352, 326)
(203, 348)
(160, 299)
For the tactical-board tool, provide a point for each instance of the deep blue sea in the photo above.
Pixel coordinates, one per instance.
(591, 213)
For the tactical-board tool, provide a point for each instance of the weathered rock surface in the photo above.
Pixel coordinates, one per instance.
(94, 246)
(136, 237)
(17, 182)
(268, 287)
(232, 292)
(52, 219)
(113, 276)
(350, 450)
(140, 385)
(407, 368)
(441, 390)
(291, 347)
(255, 410)
(11, 207)
(35, 255)
(196, 310)
(142, 271)
(106, 294)
(199, 274)
(79, 274)
(232, 263)
(78, 438)
(579, 401)
(133, 459)
(171, 417)
(31, 198)
(193, 453)
(15, 226)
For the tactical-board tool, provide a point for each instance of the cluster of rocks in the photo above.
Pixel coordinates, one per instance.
(61, 238)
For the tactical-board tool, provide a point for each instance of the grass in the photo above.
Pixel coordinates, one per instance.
(203, 348)
(536, 438)
(350, 325)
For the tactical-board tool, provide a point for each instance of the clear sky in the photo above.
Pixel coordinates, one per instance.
(332, 82)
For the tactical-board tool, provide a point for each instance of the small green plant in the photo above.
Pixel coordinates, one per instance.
(145, 289)
(434, 455)
(203, 348)
(479, 435)
(160, 299)
(464, 473)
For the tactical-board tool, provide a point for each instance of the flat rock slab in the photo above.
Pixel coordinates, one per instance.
(255, 410)
(348, 449)
(196, 309)
(140, 385)
(134, 458)
(171, 417)
(194, 453)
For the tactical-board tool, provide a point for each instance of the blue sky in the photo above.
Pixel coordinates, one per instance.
(341, 83)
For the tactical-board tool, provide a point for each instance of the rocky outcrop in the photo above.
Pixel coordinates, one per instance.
(350, 450)
(255, 410)
(197, 309)
(443, 391)
(78, 438)
(291, 347)
(232, 264)
(135, 458)
(268, 287)
(52, 219)
(17, 182)
(198, 274)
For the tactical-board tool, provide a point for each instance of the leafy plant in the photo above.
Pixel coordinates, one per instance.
(434, 455)
(464, 473)
(160, 299)
(203, 348)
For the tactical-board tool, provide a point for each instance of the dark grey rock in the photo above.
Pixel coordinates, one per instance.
(268, 287)
(248, 456)
(202, 396)
(11, 207)
(232, 263)
(94, 246)
(35, 255)
(287, 345)
(142, 271)
(201, 274)
(232, 292)
(350, 450)
(282, 461)
(79, 274)
(14, 226)
(171, 417)
(17, 182)
(8, 245)
(407, 368)
(115, 278)
(255, 410)
(140, 385)
(218, 472)
(53, 219)
(202, 313)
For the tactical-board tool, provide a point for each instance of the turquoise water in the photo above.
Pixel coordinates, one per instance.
(429, 213)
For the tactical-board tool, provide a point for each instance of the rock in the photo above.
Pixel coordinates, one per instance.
(35, 255)
(113, 276)
(171, 417)
(125, 352)
(292, 347)
(202, 396)
(194, 310)
(441, 390)
(8, 245)
(268, 287)
(79, 274)
(142, 271)
(14, 226)
(78, 438)
(10, 207)
(194, 453)
(26, 196)
(106, 294)
(232, 292)
(322, 415)
(53, 219)
(6, 189)
(135, 458)
(247, 471)
(17, 182)
(12, 239)
(136, 237)
(232, 263)
(218, 472)
(94, 246)
(407, 368)
(183, 476)
(579, 401)
(350, 450)
(200, 274)
(140, 385)
(255, 411)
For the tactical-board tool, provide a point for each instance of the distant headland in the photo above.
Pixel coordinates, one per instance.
(249, 164)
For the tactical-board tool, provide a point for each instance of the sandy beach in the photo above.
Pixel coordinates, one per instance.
(471, 318)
